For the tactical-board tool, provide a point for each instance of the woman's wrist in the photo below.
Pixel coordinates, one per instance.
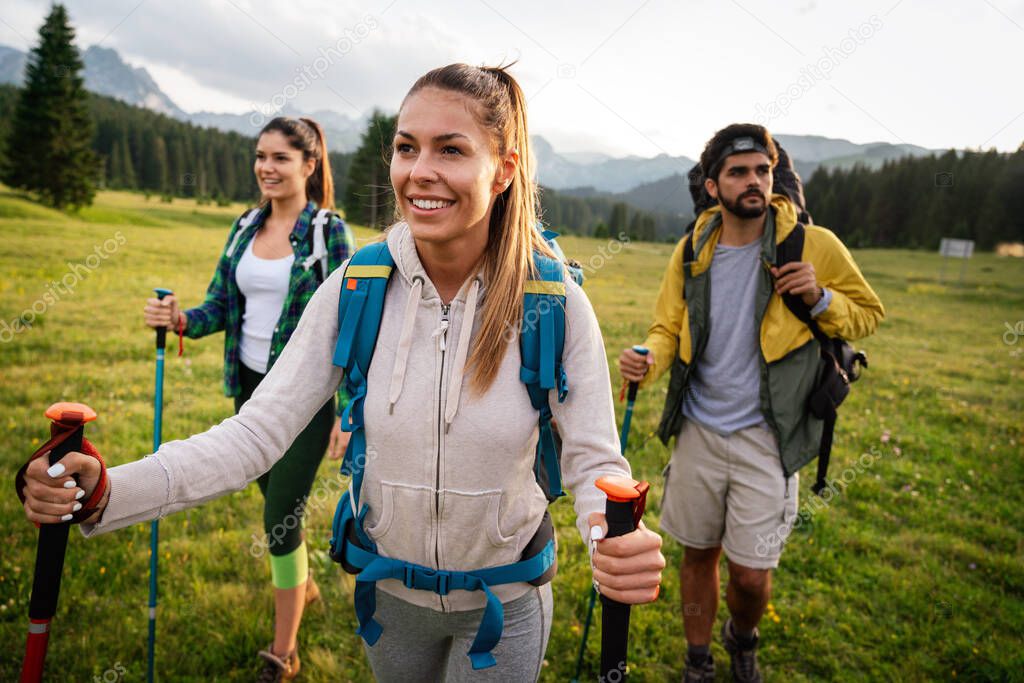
(97, 516)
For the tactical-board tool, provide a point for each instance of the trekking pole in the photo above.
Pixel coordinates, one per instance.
(586, 631)
(623, 509)
(154, 527)
(623, 440)
(67, 427)
(630, 400)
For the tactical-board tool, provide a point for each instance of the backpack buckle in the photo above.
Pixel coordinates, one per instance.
(421, 578)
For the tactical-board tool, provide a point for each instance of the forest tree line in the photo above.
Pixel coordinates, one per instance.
(911, 202)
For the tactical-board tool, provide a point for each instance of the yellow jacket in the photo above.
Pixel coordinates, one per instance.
(854, 312)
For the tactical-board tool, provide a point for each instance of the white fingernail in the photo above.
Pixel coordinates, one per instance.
(79, 495)
(70, 484)
(65, 518)
(596, 533)
(77, 507)
(56, 470)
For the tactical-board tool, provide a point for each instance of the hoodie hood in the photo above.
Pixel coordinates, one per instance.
(402, 246)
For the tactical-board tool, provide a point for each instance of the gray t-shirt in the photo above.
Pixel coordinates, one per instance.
(724, 393)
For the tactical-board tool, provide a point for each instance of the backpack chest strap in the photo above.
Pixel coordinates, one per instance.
(377, 568)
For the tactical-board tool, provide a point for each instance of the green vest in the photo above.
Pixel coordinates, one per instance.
(785, 383)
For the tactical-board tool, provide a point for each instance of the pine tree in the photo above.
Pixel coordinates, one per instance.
(368, 198)
(49, 150)
(154, 163)
(635, 228)
(115, 170)
(127, 169)
(648, 228)
(617, 222)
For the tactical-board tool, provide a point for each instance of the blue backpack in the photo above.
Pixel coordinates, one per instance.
(542, 336)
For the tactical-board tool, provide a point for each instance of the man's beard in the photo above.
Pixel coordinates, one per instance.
(737, 208)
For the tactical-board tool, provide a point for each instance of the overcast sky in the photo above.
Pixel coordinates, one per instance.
(622, 77)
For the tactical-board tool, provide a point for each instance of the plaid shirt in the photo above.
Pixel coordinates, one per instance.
(224, 304)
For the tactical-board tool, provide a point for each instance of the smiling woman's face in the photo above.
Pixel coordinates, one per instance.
(280, 169)
(444, 168)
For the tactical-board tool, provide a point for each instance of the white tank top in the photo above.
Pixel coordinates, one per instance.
(264, 284)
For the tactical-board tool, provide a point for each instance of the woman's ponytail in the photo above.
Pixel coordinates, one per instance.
(320, 185)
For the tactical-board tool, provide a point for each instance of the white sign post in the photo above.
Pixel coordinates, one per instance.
(951, 248)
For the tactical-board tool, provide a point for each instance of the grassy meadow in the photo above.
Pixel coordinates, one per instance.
(913, 572)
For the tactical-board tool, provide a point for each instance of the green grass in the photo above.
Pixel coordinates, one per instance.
(915, 572)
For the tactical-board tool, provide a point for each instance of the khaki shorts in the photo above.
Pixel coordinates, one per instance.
(729, 491)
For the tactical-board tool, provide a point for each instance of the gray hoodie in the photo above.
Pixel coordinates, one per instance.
(449, 476)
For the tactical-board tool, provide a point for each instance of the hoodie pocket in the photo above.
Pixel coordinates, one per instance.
(475, 534)
(399, 523)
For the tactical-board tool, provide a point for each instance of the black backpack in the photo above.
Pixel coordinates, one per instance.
(841, 364)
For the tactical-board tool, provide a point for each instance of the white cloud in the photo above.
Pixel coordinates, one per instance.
(190, 94)
(667, 74)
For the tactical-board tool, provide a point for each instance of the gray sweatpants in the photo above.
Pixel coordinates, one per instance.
(421, 644)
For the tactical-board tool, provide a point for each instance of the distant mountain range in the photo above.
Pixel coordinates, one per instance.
(601, 172)
(664, 185)
(107, 74)
(651, 183)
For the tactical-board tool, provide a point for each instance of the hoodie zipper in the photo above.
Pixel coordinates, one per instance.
(445, 320)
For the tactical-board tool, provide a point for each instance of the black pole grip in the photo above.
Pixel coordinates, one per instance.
(161, 332)
(619, 516)
(615, 615)
(633, 386)
(53, 541)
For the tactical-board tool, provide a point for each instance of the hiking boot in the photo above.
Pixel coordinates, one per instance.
(277, 668)
(744, 659)
(700, 674)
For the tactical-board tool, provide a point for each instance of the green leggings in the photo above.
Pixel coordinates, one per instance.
(286, 486)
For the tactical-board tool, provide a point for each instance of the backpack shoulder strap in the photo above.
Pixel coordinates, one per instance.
(360, 308)
(541, 341)
(687, 259)
(792, 248)
(244, 221)
(787, 251)
(317, 235)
